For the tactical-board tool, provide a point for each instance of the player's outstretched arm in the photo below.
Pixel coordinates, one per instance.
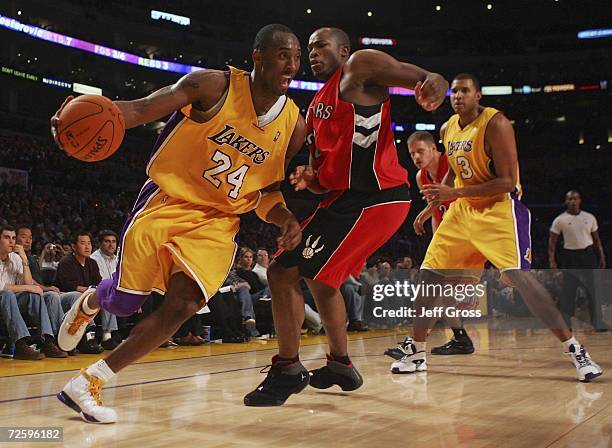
(373, 66)
(204, 87)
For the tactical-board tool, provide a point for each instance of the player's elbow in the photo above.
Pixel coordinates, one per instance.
(508, 184)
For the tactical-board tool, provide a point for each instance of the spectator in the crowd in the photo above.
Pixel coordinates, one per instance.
(261, 267)
(105, 255)
(354, 304)
(15, 276)
(50, 256)
(107, 259)
(11, 319)
(76, 272)
(581, 242)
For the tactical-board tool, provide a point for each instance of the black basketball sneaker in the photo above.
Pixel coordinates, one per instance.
(284, 378)
(336, 373)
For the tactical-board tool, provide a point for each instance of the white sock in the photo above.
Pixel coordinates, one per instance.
(86, 309)
(106, 336)
(101, 370)
(570, 341)
(420, 346)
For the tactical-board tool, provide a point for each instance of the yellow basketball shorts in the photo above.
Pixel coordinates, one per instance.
(164, 231)
(467, 237)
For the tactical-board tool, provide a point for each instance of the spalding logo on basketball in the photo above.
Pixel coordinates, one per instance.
(91, 128)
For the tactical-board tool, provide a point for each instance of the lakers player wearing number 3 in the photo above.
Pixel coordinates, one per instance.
(223, 152)
(486, 221)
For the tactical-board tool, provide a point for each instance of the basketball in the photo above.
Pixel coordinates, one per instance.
(91, 128)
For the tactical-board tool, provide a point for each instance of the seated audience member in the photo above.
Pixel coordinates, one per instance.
(107, 259)
(15, 276)
(76, 272)
(11, 319)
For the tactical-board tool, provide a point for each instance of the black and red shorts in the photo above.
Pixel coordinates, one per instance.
(346, 228)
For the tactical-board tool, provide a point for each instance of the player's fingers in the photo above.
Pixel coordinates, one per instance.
(417, 90)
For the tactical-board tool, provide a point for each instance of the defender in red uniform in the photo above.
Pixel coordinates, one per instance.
(433, 167)
(353, 159)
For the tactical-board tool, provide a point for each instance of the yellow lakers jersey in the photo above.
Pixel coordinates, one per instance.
(468, 158)
(224, 162)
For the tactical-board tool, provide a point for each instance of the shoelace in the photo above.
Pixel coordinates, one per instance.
(582, 359)
(94, 387)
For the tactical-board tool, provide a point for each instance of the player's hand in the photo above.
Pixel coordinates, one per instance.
(419, 223)
(291, 234)
(602, 263)
(553, 265)
(439, 192)
(55, 121)
(302, 177)
(431, 93)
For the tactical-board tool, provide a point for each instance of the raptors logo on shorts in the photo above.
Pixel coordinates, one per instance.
(347, 228)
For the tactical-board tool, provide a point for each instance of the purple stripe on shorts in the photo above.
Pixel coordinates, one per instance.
(174, 120)
(148, 190)
(523, 224)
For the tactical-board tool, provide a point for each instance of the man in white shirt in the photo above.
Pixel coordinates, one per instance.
(107, 260)
(15, 276)
(261, 267)
(105, 256)
(580, 243)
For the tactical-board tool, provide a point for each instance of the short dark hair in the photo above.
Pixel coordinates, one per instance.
(7, 228)
(104, 233)
(474, 79)
(337, 34)
(341, 37)
(422, 136)
(22, 226)
(265, 36)
(75, 238)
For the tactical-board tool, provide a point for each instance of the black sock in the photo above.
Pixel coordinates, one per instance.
(341, 359)
(460, 333)
(279, 359)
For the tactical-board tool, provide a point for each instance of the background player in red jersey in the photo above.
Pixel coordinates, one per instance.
(354, 161)
(433, 166)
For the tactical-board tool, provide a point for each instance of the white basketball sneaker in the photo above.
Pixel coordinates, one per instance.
(412, 361)
(586, 368)
(82, 394)
(75, 323)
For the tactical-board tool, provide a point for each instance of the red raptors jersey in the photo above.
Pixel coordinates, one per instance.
(352, 146)
(442, 170)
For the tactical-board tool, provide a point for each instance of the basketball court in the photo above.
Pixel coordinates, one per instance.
(517, 390)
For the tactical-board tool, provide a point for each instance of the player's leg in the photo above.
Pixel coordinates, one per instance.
(509, 249)
(287, 375)
(449, 249)
(82, 393)
(339, 369)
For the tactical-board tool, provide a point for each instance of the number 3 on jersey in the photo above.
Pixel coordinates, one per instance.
(235, 178)
(466, 171)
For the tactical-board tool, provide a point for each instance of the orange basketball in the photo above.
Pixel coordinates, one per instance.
(91, 128)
